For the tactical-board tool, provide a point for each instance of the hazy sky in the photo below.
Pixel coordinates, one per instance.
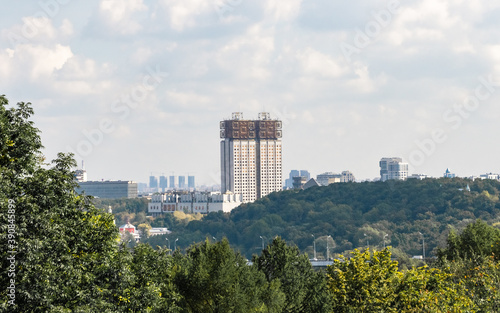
(139, 86)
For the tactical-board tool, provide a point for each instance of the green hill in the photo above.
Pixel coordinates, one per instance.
(353, 214)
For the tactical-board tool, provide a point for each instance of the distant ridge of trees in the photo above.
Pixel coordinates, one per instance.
(378, 214)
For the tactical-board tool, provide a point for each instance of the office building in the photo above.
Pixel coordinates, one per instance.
(328, 178)
(182, 182)
(172, 182)
(289, 181)
(153, 182)
(163, 183)
(191, 184)
(251, 156)
(393, 168)
(109, 189)
(305, 174)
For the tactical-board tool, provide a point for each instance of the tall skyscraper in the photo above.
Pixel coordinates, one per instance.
(182, 182)
(191, 184)
(393, 168)
(153, 182)
(163, 183)
(172, 182)
(251, 156)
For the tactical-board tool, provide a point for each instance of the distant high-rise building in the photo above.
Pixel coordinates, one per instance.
(347, 177)
(393, 168)
(328, 178)
(153, 182)
(182, 182)
(251, 156)
(191, 184)
(289, 181)
(305, 174)
(172, 182)
(163, 183)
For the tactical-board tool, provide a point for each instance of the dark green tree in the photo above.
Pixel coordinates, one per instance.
(305, 289)
(213, 278)
(60, 242)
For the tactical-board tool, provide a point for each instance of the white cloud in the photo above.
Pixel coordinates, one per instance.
(316, 63)
(184, 14)
(282, 10)
(120, 15)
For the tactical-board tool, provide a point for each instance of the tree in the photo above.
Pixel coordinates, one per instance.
(61, 242)
(213, 278)
(364, 283)
(305, 290)
(477, 241)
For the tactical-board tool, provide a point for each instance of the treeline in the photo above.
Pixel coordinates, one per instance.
(400, 214)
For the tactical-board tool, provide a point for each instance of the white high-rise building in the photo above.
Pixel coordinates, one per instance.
(393, 168)
(251, 156)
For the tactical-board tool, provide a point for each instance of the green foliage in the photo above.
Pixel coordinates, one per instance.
(372, 283)
(364, 283)
(477, 241)
(347, 211)
(61, 241)
(305, 290)
(213, 278)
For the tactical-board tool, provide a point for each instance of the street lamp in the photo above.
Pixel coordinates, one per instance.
(175, 244)
(327, 248)
(168, 245)
(384, 239)
(262, 242)
(423, 246)
(367, 243)
(314, 244)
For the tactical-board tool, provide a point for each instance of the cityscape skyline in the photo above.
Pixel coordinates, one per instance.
(136, 86)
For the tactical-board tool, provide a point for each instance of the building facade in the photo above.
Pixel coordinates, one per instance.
(109, 189)
(251, 156)
(191, 183)
(193, 202)
(393, 168)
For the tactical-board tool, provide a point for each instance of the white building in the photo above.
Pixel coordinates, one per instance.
(251, 156)
(393, 168)
(418, 176)
(490, 176)
(194, 202)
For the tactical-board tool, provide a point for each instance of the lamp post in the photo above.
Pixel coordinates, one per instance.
(367, 243)
(262, 242)
(314, 245)
(384, 239)
(175, 244)
(327, 248)
(168, 241)
(423, 246)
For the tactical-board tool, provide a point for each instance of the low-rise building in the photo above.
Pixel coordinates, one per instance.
(193, 202)
(108, 189)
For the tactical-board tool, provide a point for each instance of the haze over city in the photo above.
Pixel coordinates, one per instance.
(136, 86)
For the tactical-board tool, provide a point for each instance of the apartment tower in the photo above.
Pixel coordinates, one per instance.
(251, 156)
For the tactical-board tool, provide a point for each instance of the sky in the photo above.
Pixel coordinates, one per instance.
(135, 87)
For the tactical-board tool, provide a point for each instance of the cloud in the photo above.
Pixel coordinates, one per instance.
(121, 15)
(185, 14)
